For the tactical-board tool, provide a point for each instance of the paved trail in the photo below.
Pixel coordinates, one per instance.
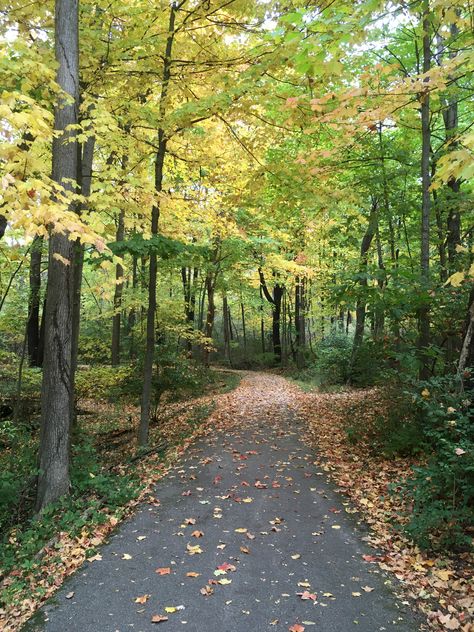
(250, 487)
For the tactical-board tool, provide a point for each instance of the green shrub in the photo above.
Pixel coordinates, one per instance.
(441, 492)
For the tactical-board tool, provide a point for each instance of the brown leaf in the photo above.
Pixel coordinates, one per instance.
(158, 618)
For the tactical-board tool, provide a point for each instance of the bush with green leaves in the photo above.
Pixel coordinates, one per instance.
(440, 493)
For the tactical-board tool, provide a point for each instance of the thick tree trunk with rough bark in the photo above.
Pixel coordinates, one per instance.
(53, 479)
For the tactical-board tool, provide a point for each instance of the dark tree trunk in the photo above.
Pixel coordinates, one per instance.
(211, 313)
(189, 293)
(117, 317)
(53, 478)
(361, 301)
(133, 314)
(300, 322)
(3, 225)
(275, 301)
(84, 171)
(227, 329)
(424, 312)
(450, 117)
(244, 328)
(262, 323)
(153, 270)
(33, 325)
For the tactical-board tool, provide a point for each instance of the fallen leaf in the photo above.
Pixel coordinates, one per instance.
(126, 556)
(197, 534)
(296, 628)
(158, 618)
(163, 571)
(142, 599)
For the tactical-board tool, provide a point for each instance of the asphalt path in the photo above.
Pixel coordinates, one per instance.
(276, 547)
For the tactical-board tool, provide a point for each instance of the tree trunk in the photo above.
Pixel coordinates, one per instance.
(117, 317)
(153, 269)
(84, 170)
(33, 325)
(133, 314)
(53, 478)
(275, 301)
(450, 117)
(211, 312)
(424, 312)
(299, 322)
(361, 301)
(244, 329)
(466, 358)
(227, 329)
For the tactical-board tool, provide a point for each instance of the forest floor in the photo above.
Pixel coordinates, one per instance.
(253, 529)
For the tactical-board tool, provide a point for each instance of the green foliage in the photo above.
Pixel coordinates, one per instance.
(103, 382)
(332, 365)
(441, 492)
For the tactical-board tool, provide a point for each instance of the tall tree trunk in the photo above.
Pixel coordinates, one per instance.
(362, 300)
(117, 317)
(450, 117)
(53, 478)
(424, 312)
(155, 215)
(262, 323)
(211, 312)
(84, 171)
(33, 325)
(300, 322)
(133, 314)
(275, 301)
(466, 358)
(244, 328)
(227, 329)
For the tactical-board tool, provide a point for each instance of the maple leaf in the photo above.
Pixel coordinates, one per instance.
(306, 595)
(142, 599)
(197, 534)
(193, 574)
(158, 618)
(190, 521)
(193, 550)
(296, 628)
(226, 567)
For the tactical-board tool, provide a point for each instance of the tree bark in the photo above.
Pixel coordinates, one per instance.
(53, 478)
(275, 301)
(33, 325)
(466, 358)
(424, 312)
(211, 312)
(117, 317)
(362, 300)
(153, 268)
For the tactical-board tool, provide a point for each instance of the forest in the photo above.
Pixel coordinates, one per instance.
(196, 195)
